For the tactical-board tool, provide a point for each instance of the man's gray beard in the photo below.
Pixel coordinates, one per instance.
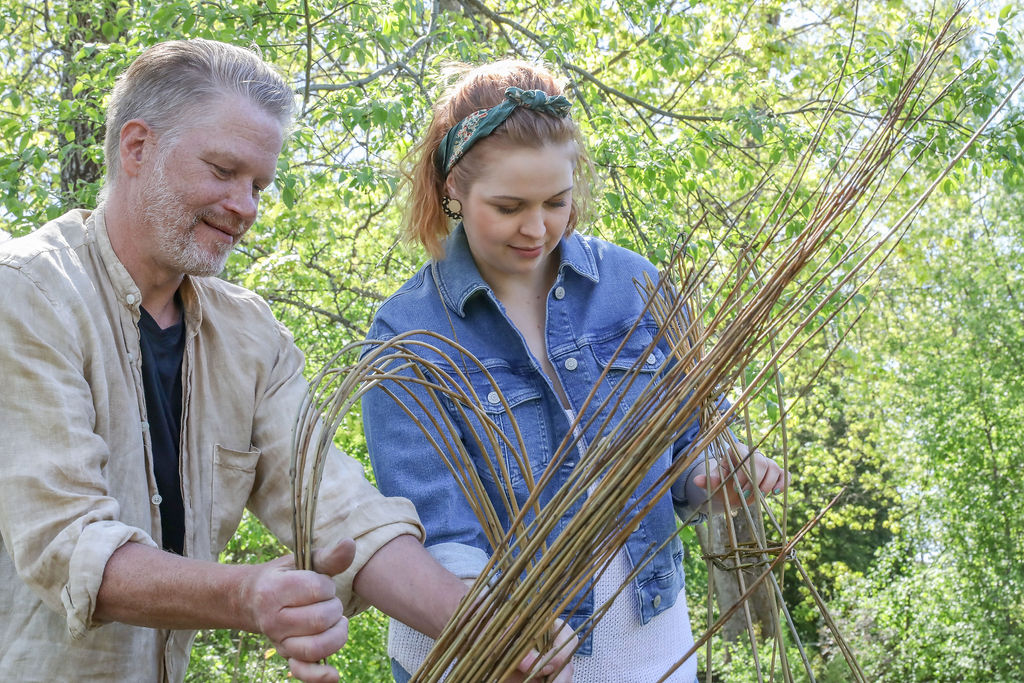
(175, 230)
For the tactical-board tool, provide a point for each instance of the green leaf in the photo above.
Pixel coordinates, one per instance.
(700, 157)
(754, 128)
(379, 115)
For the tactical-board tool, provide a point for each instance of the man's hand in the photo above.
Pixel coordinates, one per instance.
(767, 476)
(299, 611)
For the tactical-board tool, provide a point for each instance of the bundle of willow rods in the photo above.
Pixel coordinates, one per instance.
(758, 309)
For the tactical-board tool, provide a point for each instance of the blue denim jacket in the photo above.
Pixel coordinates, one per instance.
(590, 308)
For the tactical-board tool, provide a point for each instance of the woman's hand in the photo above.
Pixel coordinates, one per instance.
(563, 645)
(756, 471)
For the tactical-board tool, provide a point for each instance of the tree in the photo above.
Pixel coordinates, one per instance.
(944, 603)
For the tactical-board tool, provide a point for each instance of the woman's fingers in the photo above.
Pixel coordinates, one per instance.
(769, 476)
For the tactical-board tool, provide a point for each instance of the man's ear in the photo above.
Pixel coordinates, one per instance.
(137, 142)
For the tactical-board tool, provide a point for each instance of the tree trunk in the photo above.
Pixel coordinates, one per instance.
(731, 583)
(76, 168)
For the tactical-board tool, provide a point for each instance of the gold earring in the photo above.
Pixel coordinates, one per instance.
(455, 214)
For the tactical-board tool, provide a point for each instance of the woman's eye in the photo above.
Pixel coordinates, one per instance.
(506, 209)
(557, 204)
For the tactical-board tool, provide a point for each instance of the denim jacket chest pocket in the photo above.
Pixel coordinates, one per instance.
(629, 365)
(516, 429)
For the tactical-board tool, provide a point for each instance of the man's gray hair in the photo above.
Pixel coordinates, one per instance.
(168, 84)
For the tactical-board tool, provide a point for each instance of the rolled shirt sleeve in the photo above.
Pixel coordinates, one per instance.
(95, 545)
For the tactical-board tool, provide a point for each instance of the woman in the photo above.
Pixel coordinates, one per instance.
(544, 309)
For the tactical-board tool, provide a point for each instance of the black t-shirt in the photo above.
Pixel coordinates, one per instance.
(162, 353)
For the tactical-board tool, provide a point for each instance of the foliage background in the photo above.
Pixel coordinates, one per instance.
(687, 108)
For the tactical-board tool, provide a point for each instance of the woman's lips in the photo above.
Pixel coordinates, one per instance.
(528, 252)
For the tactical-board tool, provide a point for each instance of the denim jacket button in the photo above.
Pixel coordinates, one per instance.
(656, 601)
(651, 359)
(493, 397)
(559, 292)
(570, 364)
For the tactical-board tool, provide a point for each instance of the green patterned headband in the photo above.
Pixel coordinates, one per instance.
(482, 123)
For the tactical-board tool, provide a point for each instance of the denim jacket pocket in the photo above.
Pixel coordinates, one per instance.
(233, 475)
(634, 356)
(522, 408)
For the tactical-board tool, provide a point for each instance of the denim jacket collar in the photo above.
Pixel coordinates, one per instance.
(458, 278)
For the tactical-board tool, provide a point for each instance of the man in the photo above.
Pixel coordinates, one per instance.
(146, 403)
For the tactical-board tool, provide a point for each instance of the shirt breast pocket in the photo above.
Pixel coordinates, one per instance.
(509, 439)
(234, 473)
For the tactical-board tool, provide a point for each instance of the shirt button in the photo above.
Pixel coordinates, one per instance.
(571, 364)
(156, 499)
(145, 426)
(651, 359)
(493, 397)
(131, 299)
(656, 601)
(559, 292)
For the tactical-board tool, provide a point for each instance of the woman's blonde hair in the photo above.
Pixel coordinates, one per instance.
(479, 88)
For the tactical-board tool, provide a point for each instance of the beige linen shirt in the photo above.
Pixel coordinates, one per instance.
(76, 471)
